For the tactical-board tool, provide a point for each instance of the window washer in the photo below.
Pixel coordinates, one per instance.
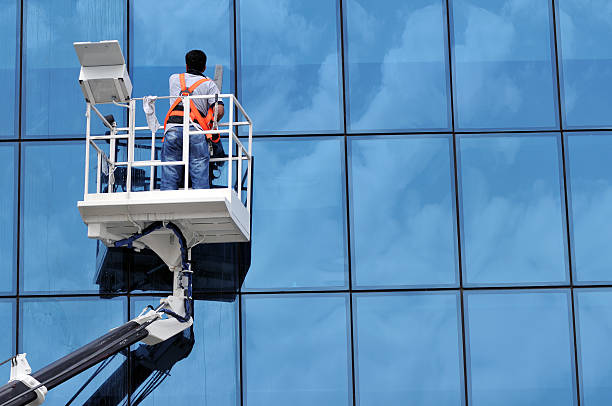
(202, 111)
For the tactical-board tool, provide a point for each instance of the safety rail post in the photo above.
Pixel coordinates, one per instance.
(250, 167)
(230, 162)
(152, 175)
(186, 113)
(112, 158)
(87, 134)
(99, 172)
(130, 146)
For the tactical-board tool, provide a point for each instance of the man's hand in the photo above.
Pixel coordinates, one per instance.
(220, 112)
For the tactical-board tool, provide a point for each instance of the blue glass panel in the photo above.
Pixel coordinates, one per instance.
(408, 349)
(504, 75)
(52, 328)
(590, 188)
(209, 373)
(397, 61)
(513, 227)
(8, 215)
(585, 63)
(9, 80)
(7, 320)
(299, 218)
(290, 70)
(295, 350)
(161, 37)
(402, 211)
(56, 254)
(520, 348)
(594, 323)
(54, 104)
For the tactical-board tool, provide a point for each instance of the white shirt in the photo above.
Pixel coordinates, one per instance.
(205, 88)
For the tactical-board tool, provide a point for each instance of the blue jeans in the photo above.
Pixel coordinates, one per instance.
(172, 177)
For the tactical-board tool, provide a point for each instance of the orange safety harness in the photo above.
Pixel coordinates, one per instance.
(206, 122)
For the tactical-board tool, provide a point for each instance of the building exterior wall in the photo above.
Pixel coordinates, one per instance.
(432, 198)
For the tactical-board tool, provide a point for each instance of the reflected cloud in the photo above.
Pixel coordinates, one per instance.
(512, 217)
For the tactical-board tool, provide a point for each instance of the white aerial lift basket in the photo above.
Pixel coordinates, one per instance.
(203, 215)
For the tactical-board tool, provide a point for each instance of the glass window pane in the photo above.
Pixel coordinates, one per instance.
(9, 63)
(299, 217)
(158, 53)
(209, 373)
(295, 350)
(513, 227)
(520, 348)
(54, 104)
(56, 254)
(52, 328)
(7, 320)
(594, 323)
(504, 76)
(586, 63)
(590, 188)
(408, 349)
(397, 65)
(8, 215)
(402, 211)
(290, 69)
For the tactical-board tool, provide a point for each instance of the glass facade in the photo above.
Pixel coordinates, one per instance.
(431, 204)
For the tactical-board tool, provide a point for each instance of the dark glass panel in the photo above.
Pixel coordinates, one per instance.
(504, 75)
(590, 188)
(402, 211)
(295, 350)
(520, 348)
(56, 255)
(8, 216)
(513, 212)
(290, 71)
(208, 374)
(54, 104)
(585, 60)
(594, 324)
(397, 62)
(299, 226)
(408, 349)
(52, 328)
(9, 63)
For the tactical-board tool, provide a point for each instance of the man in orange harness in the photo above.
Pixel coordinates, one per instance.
(193, 82)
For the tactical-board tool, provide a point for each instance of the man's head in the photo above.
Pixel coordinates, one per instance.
(196, 60)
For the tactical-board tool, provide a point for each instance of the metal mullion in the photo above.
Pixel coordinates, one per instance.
(19, 93)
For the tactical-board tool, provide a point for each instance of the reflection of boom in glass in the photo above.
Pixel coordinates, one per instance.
(123, 208)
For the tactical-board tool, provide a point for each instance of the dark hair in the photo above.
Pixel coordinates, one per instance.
(196, 60)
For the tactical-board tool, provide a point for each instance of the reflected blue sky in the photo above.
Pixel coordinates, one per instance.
(210, 373)
(53, 104)
(594, 323)
(7, 340)
(290, 65)
(295, 350)
(9, 32)
(52, 328)
(585, 62)
(513, 223)
(520, 348)
(56, 255)
(408, 349)
(397, 61)
(299, 217)
(8, 216)
(161, 38)
(590, 190)
(402, 211)
(504, 76)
